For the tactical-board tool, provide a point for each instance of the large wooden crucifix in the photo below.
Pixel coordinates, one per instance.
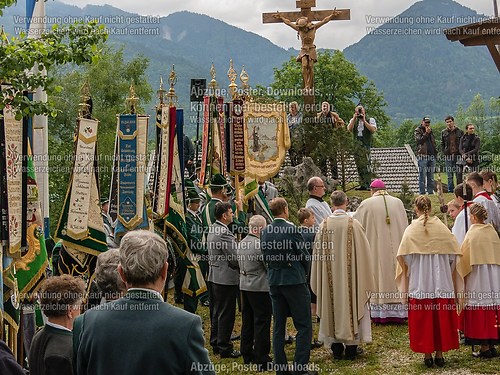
(302, 22)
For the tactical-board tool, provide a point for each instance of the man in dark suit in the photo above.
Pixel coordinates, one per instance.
(51, 349)
(140, 333)
(286, 257)
(223, 278)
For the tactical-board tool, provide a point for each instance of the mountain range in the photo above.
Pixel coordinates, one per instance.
(408, 57)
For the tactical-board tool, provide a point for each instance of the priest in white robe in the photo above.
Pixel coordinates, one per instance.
(342, 278)
(384, 219)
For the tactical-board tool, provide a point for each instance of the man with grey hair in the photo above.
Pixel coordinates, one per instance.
(108, 279)
(320, 208)
(256, 308)
(153, 336)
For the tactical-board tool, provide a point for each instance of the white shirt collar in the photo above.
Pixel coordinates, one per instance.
(57, 326)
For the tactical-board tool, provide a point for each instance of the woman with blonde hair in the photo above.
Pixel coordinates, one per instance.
(426, 261)
(479, 268)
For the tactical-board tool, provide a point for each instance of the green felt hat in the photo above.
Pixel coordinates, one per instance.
(218, 181)
(188, 184)
(192, 196)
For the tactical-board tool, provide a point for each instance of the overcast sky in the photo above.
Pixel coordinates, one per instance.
(247, 14)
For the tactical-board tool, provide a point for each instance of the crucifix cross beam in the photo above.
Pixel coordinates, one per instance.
(302, 23)
(305, 7)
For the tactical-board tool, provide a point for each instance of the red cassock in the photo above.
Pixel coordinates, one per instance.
(433, 325)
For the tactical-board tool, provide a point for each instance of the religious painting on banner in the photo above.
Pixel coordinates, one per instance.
(267, 139)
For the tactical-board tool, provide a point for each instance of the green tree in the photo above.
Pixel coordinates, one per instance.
(109, 80)
(338, 82)
(77, 44)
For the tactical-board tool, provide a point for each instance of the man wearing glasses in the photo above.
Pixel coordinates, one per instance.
(318, 206)
(426, 156)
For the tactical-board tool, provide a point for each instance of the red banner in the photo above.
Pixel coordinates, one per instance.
(237, 146)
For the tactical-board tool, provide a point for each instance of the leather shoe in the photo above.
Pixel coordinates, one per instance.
(429, 362)
(350, 352)
(439, 361)
(316, 344)
(289, 340)
(231, 354)
(338, 350)
(235, 337)
(206, 303)
(486, 354)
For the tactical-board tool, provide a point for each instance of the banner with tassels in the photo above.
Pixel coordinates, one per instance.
(160, 196)
(267, 139)
(80, 225)
(131, 172)
(15, 135)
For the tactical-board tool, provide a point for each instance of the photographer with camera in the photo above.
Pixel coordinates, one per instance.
(363, 132)
(426, 156)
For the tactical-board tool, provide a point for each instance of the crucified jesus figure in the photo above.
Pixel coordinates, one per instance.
(306, 30)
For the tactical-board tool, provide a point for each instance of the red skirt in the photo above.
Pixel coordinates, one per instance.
(482, 323)
(432, 325)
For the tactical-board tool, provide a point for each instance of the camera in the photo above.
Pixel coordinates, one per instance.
(360, 113)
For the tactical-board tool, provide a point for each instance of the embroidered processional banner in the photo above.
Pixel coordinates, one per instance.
(131, 173)
(81, 226)
(266, 139)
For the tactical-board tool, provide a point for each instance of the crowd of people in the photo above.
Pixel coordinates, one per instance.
(460, 151)
(340, 269)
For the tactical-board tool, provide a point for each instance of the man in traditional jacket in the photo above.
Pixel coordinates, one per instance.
(384, 219)
(219, 189)
(256, 308)
(194, 228)
(343, 279)
(320, 208)
(140, 333)
(223, 278)
(286, 259)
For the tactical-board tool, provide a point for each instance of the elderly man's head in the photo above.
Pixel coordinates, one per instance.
(143, 259)
(107, 277)
(256, 224)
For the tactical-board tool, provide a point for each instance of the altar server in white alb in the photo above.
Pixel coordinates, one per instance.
(426, 260)
(481, 196)
(479, 267)
(384, 219)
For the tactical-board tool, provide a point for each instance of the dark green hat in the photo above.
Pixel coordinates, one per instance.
(192, 196)
(218, 181)
(188, 184)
